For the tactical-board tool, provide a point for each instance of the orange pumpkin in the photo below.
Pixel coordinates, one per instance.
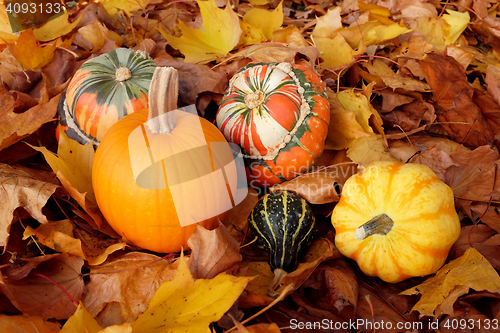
(139, 199)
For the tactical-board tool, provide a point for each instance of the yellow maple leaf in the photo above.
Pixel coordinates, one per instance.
(4, 20)
(453, 280)
(55, 28)
(265, 20)
(369, 149)
(73, 167)
(441, 31)
(343, 124)
(128, 6)
(29, 53)
(258, 2)
(251, 35)
(335, 51)
(187, 305)
(376, 12)
(81, 322)
(371, 33)
(220, 32)
(328, 24)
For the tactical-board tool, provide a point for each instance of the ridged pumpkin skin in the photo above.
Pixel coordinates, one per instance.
(145, 217)
(279, 115)
(285, 225)
(423, 211)
(98, 96)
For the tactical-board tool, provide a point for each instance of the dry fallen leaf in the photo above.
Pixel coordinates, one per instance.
(59, 236)
(460, 116)
(321, 186)
(32, 294)
(187, 305)
(27, 324)
(453, 280)
(19, 123)
(20, 189)
(475, 174)
(213, 252)
(333, 286)
(320, 250)
(130, 280)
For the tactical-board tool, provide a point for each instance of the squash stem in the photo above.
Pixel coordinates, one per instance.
(163, 92)
(380, 225)
(279, 275)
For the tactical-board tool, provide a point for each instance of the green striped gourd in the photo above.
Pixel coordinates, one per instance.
(284, 225)
(279, 114)
(103, 90)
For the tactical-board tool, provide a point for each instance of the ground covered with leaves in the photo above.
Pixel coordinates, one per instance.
(408, 80)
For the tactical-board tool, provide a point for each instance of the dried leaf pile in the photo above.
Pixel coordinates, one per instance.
(414, 81)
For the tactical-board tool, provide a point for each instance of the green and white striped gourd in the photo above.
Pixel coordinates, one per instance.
(285, 226)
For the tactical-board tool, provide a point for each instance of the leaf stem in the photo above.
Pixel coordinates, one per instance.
(58, 285)
(270, 305)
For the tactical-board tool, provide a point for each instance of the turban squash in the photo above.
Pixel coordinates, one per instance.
(279, 114)
(102, 91)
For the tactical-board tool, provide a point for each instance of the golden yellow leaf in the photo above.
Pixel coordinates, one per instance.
(343, 126)
(471, 270)
(335, 52)
(251, 35)
(371, 33)
(376, 12)
(73, 167)
(186, 305)
(290, 35)
(441, 31)
(29, 53)
(265, 20)
(328, 24)
(369, 149)
(220, 32)
(81, 322)
(360, 105)
(4, 20)
(258, 2)
(127, 6)
(55, 28)
(458, 22)
(74, 161)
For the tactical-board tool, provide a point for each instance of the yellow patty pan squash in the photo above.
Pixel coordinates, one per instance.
(396, 221)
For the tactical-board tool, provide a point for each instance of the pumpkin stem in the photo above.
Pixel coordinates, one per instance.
(163, 92)
(380, 225)
(122, 74)
(279, 275)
